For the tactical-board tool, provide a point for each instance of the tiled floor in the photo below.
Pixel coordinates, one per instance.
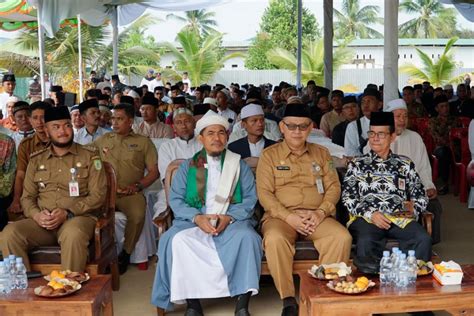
(133, 299)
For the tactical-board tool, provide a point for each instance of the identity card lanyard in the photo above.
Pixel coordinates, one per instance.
(73, 184)
(319, 181)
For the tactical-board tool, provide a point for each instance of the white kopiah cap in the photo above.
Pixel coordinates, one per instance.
(211, 118)
(251, 110)
(395, 105)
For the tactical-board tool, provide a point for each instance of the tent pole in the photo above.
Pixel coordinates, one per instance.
(298, 53)
(79, 47)
(328, 48)
(41, 48)
(115, 40)
(390, 52)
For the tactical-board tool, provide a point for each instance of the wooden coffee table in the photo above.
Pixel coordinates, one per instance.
(428, 295)
(94, 296)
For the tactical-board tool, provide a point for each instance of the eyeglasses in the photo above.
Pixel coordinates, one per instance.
(381, 135)
(293, 127)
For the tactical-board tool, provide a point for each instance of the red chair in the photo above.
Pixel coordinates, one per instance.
(422, 124)
(465, 121)
(434, 168)
(459, 144)
(470, 173)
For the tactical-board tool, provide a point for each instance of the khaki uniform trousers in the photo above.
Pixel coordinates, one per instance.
(73, 236)
(134, 208)
(330, 238)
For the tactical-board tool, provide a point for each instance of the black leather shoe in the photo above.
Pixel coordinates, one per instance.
(242, 312)
(192, 312)
(123, 261)
(290, 310)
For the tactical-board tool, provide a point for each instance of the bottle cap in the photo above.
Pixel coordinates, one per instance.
(411, 253)
(11, 257)
(6, 260)
(386, 253)
(19, 260)
(403, 256)
(394, 249)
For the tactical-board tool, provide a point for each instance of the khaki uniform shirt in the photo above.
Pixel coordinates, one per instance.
(155, 130)
(330, 120)
(287, 182)
(27, 147)
(47, 180)
(129, 155)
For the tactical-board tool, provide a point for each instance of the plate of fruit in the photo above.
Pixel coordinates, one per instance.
(424, 268)
(58, 288)
(330, 271)
(351, 286)
(79, 277)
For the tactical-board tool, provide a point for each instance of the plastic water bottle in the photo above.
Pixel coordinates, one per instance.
(403, 272)
(413, 266)
(385, 269)
(21, 279)
(394, 270)
(8, 268)
(5, 282)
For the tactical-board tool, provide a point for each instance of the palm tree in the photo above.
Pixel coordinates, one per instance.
(437, 73)
(199, 21)
(355, 22)
(312, 60)
(137, 53)
(433, 20)
(200, 57)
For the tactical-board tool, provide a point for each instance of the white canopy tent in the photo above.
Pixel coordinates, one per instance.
(96, 12)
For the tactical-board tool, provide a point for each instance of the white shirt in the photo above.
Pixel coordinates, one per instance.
(18, 136)
(3, 103)
(351, 139)
(229, 114)
(153, 84)
(318, 136)
(410, 144)
(256, 149)
(188, 81)
(213, 177)
(83, 137)
(176, 148)
(272, 131)
(148, 83)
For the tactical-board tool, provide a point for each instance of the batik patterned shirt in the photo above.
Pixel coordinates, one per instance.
(7, 164)
(373, 184)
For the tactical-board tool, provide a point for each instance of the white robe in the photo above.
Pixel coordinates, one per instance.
(170, 150)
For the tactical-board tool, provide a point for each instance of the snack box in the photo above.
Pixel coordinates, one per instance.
(448, 273)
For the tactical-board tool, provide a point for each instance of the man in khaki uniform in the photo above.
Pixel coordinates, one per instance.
(29, 145)
(130, 154)
(298, 187)
(64, 188)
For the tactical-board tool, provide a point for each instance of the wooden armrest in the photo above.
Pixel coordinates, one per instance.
(428, 222)
(99, 226)
(101, 223)
(163, 221)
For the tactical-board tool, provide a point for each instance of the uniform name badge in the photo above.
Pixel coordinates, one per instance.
(401, 184)
(73, 184)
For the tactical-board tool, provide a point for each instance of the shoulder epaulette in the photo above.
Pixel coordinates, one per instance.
(36, 153)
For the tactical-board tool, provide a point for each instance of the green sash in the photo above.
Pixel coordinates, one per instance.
(197, 179)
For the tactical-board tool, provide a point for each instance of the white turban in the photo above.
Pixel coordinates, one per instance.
(395, 105)
(251, 110)
(210, 118)
(133, 94)
(12, 99)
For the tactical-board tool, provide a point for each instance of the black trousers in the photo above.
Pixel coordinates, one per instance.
(443, 154)
(434, 206)
(4, 204)
(371, 240)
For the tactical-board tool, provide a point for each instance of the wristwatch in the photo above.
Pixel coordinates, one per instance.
(139, 186)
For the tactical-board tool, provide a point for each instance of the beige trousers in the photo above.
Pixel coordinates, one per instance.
(331, 239)
(134, 208)
(73, 236)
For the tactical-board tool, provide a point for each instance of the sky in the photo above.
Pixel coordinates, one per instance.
(240, 19)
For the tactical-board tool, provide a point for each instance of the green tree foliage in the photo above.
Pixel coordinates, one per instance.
(432, 19)
(200, 57)
(137, 52)
(279, 28)
(437, 73)
(312, 60)
(354, 21)
(200, 21)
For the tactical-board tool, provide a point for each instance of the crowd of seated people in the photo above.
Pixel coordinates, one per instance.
(52, 175)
